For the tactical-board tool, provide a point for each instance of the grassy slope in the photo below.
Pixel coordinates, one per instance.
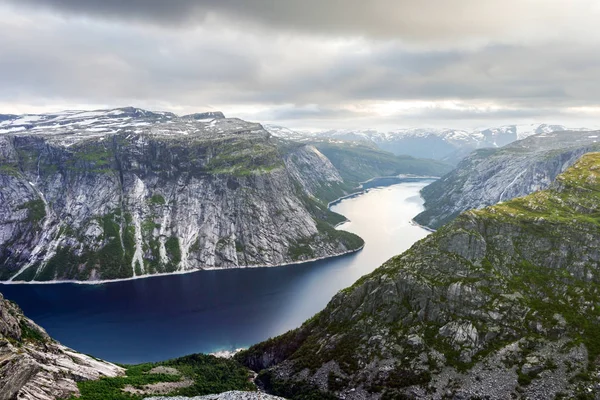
(357, 162)
(210, 375)
(539, 247)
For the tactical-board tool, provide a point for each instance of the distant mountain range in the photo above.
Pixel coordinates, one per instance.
(450, 145)
(490, 176)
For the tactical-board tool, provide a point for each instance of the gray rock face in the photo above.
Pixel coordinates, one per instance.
(501, 303)
(235, 395)
(34, 367)
(142, 193)
(490, 176)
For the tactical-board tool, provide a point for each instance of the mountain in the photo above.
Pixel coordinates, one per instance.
(449, 145)
(35, 367)
(286, 133)
(359, 161)
(501, 303)
(489, 176)
(123, 193)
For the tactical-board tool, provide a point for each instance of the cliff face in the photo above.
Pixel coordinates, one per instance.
(504, 302)
(144, 197)
(490, 176)
(33, 366)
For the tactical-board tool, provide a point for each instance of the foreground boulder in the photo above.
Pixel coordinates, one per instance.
(33, 366)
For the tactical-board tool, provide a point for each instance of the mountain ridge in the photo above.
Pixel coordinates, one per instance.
(446, 144)
(501, 302)
(101, 199)
(489, 176)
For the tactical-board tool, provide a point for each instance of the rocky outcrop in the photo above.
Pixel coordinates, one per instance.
(155, 193)
(33, 366)
(490, 176)
(235, 395)
(501, 303)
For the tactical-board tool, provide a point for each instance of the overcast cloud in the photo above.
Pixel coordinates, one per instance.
(308, 64)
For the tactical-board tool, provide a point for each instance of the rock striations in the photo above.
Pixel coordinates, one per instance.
(504, 302)
(125, 193)
(33, 366)
(489, 176)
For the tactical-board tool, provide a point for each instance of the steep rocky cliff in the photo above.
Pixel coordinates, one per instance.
(489, 176)
(33, 366)
(124, 193)
(504, 302)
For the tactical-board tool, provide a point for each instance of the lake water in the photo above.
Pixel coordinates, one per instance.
(169, 316)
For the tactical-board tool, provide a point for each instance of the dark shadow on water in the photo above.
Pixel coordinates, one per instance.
(169, 316)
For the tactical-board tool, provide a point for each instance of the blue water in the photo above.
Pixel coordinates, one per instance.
(169, 316)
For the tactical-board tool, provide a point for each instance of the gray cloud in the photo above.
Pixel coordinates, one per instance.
(279, 61)
(406, 19)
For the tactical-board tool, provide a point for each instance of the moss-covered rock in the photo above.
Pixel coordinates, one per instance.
(502, 300)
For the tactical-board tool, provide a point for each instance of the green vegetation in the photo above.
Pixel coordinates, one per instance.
(157, 200)
(301, 250)
(359, 162)
(29, 333)
(92, 156)
(349, 240)
(173, 252)
(63, 264)
(241, 157)
(36, 210)
(524, 272)
(9, 169)
(114, 259)
(207, 374)
(320, 210)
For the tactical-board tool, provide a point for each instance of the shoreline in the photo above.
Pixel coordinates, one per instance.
(362, 190)
(331, 203)
(415, 223)
(190, 271)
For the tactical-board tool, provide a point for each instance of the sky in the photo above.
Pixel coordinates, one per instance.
(310, 64)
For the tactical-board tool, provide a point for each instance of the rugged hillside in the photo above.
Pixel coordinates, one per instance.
(33, 366)
(123, 193)
(489, 176)
(235, 395)
(359, 162)
(360, 159)
(449, 145)
(504, 302)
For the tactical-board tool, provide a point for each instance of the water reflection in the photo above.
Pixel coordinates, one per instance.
(164, 317)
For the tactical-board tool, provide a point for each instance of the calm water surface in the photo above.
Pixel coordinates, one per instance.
(164, 317)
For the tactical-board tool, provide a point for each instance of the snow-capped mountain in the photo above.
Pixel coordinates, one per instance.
(287, 133)
(71, 126)
(99, 121)
(443, 144)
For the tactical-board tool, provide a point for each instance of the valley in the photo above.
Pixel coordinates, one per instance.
(126, 193)
(501, 302)
(163, 317)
